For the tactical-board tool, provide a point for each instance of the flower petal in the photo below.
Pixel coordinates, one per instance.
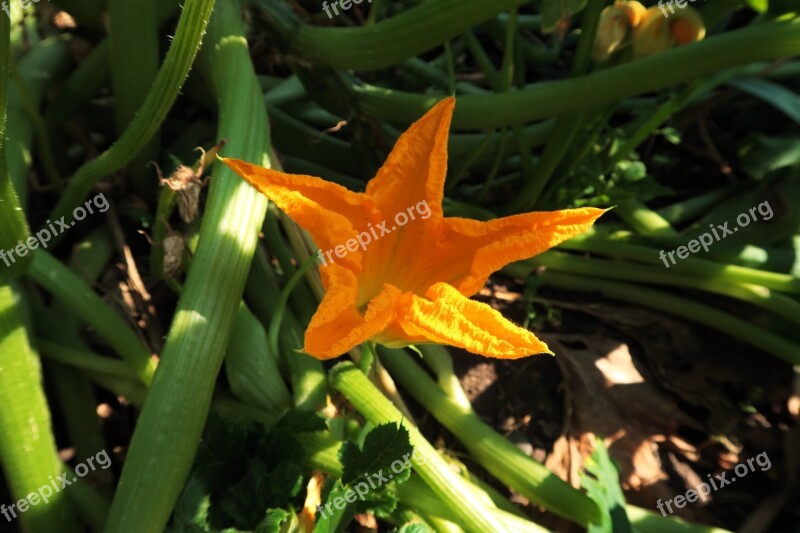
(446, 316)
(416, 168)
(480, 248)
(338, 326)
(330, 212)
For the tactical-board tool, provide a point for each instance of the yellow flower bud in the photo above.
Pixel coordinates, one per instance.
(657, 32)
(616, 22)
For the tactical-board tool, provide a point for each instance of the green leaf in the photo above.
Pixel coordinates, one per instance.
(601, 481)
(191, 510)
(766, 154)
(383, 447)
(262, 488)
(330, 517)
(771, 93)
(758, 5)
(272, 522)
(554, 12)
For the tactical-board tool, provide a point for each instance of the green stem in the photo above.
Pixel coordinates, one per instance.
(163, 445)
(13, 226)
(773, 302)
(44, 149)
(133, 41)
(83, 359)
(283, 301)
(385, 43)
(593, 242)
(28, 453)
(473, 514)
(664, 111)
(73, 291)
(438, 359)
(505, 461)
(680, 307)
(644, 220)
(74, 393)
(501, 458)
(306, 373)
(553, 98)
(367, 357)
(162, 95)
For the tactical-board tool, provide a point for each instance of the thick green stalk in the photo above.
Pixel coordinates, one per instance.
(422, 499)
(162, 95)
(473, 514)
(133, 40)
(591, 241)
(644, 220)
(13, 227)
(58, 280)
(774, 302)
(681, 307)
(439, 361)
(501, 458)
(505, 461)
(28, 452)
(118, 378)
(385, 43)
(163, 445)
(553, 98)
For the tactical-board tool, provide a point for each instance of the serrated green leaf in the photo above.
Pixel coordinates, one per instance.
(383, 446)
(381, 502)
(556, 11)
(280, 446)
(218, 462)
(262, 488)
(600, 478)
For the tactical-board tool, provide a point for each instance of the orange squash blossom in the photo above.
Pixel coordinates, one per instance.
(413, 284)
